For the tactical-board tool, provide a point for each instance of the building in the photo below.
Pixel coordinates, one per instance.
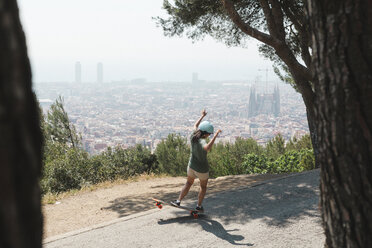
(77, 72)
(264, 103)
(99, 73)
(252, 108)
(276, 101)
(195, 79)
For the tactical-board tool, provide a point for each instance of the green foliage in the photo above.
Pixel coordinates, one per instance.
(297, 144)
(63, 168)
(291, 161)
(226, 159)
(254, 163)
(245, 156)
(67, 166)
(173, 155)
(275, 147)
(220, 161)
(294, 161)
(198, 18)
(242, 147)
(307, 159)
(71, 168)
(283, 72)
(120, 163)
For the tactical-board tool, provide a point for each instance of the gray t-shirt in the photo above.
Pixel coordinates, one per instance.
(198, 158)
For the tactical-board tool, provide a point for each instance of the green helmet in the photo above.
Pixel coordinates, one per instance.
(206, 126)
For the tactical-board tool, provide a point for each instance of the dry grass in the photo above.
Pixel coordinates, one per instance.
(52, 198)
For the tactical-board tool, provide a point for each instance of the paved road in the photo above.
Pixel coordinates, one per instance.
(278, 213)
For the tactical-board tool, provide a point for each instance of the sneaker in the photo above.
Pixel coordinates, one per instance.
(200, 209)
(176, 203)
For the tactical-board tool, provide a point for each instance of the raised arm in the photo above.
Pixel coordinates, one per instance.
(208, 147)
(203, 114)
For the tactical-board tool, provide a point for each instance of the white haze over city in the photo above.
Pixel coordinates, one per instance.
(123, 36)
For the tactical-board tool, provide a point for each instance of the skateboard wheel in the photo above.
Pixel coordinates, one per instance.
(196, 216)
(160, 206)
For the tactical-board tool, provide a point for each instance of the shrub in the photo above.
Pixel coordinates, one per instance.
(67, 168)
(294, 161)
(71, 168)
(298, 144)
(256, 164)
(220, 161)
(173, 155)
(65, 172)
(275, 147)
(307, 159)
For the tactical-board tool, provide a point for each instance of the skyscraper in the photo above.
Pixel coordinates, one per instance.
(77, 72)
(100, 73)
(195, 79)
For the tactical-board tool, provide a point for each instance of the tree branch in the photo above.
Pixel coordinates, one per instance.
(304, 39)
(244, 27)
(273, 16)
(280, 46)
(277, 15)
(305, 53)
(294, 19)
(286, 55)
(268, 16)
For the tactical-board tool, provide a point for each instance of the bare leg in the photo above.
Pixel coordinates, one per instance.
(203, 190)
(186, 188)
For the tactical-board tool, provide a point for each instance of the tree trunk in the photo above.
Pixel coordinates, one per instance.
(21, 139)
(313, 134)
(308, 96)
(342, 51)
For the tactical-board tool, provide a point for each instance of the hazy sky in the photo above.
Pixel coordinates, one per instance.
(122, 35)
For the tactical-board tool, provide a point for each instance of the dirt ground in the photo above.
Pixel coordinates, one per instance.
(90, 208)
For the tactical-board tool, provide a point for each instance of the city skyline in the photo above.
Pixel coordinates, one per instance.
(99, 72)
(128, 49)
(130, 113)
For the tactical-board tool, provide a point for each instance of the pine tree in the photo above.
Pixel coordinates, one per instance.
(58, 127)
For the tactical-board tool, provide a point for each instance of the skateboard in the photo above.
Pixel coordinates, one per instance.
(160, 203)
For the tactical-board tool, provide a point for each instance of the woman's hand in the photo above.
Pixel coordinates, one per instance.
(208, 147)
(203, 113)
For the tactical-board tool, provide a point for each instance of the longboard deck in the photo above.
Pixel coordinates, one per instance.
(160, 203)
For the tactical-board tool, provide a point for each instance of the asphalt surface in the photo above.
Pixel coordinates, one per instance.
(278, 213)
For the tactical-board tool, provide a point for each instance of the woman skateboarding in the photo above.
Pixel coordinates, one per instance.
(198, 165)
